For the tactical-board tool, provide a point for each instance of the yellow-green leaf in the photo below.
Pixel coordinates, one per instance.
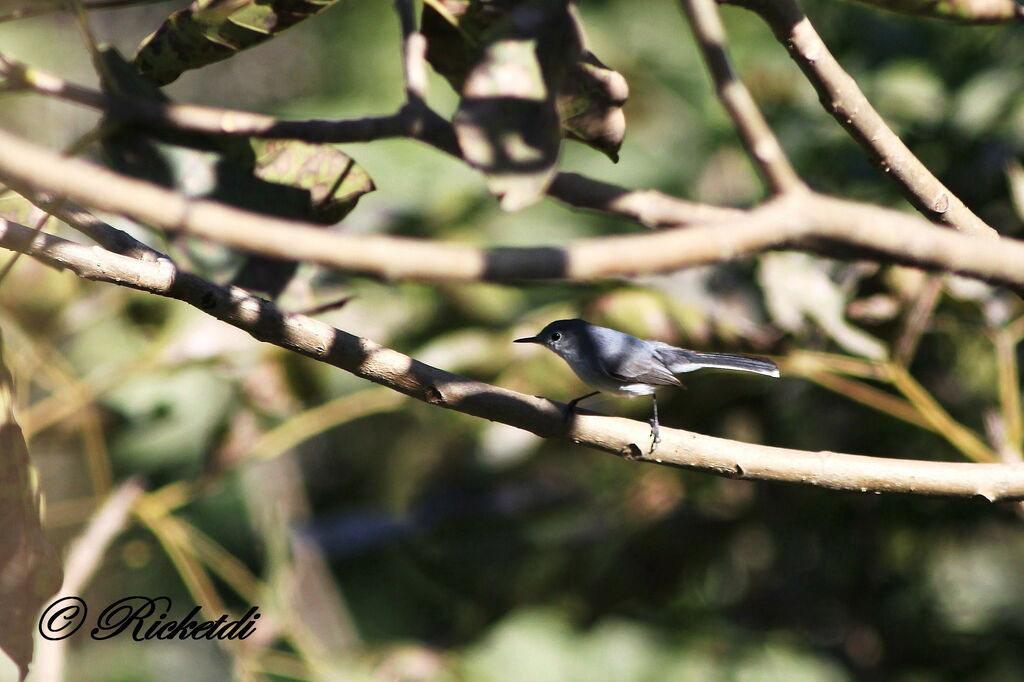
(206, 32)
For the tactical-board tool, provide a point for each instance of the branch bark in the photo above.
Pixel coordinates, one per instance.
(84, 558)
(623, 437)
(414, 121)
(841, 97)
(760, 142)
(964, 11)
(801, 220)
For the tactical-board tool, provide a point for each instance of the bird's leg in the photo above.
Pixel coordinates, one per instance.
(571, 407)
(655, 432)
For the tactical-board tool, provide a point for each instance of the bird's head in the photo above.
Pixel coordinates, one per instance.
(564, 337)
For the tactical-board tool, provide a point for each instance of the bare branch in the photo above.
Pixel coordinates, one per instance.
(647, 207)
(842, 98)
(84, 558)
(759, 140)
(34, 8)
(104, 234)
(366, 359)
(964, 11)
(800, 220)
(12, 261)
(211, 120)
(917, 319)
(86, 552)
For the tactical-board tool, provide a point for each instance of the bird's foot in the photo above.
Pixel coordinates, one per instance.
(655, 436)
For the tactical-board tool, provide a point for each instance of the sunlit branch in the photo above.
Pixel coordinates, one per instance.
(624, 437)
(760, 142)
(843, 99)
(798, 220)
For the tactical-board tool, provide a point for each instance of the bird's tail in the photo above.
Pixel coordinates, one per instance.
(679, 360)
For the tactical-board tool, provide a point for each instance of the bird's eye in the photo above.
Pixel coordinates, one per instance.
(557, 336)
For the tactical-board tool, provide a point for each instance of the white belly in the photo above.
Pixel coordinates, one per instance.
(607, 384)
(633, 390)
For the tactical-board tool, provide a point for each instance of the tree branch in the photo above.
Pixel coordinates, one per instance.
(414, 121)
(964, 11)
(800, 220)
(213, 121)
(758, 139)
(623, 437)
(842, 98)
(84, 558)
(104, 234)
(34, 8)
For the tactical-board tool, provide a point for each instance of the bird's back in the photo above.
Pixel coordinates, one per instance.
(628, 365)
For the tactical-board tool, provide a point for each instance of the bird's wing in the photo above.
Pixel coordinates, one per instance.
(629, 369)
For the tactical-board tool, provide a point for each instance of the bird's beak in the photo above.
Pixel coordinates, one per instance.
(528, 339)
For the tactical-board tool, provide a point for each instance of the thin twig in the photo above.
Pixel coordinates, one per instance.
(328, 306)
(306, 424)
(842, 98)
(960, 11)
(366, 359)
(104, 234)
(648, 207)
(872, 397)
(917, 318)
(958, 435)
(9, 265)
(84, 558)
(40, 9)
(1009, 388)
(758, 139)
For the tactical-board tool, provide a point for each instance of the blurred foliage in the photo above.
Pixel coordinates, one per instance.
(386, 539)
(208, 31)
(30, 571)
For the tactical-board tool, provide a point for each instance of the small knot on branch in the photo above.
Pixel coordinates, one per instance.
(433, 395)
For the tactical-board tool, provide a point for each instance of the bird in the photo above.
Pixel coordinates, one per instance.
(623, 365)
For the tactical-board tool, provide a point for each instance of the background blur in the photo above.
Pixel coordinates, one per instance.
(385, 539)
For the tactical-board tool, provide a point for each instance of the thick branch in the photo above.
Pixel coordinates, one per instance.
(759, 140)
(623, 437)
(799, 220)
(842, 98)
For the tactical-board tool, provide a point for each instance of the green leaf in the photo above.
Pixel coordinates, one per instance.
(507, 123)
(589, 97)
(334, 180)
(331, 183)
(281, 178)
(208, 31)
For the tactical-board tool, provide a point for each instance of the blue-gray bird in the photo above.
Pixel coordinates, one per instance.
(620, 364)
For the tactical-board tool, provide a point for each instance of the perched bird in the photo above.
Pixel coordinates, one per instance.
(620, 364)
